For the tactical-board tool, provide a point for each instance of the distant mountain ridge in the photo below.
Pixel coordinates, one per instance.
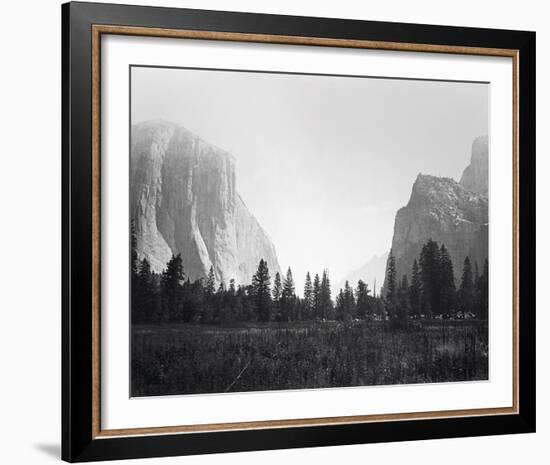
(448, 212)
(183, 199)
(372, 273)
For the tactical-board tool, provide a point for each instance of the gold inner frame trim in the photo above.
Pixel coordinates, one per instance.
(97, 32)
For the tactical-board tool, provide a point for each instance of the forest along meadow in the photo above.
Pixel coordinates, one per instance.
(195, 337)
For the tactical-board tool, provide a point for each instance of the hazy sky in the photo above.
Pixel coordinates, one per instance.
(323, 162)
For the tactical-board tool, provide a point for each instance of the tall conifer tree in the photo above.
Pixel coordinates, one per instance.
(288, 297)
(403, 304)
(340, 306)
(308, 296)
(429, 275)
(415, 291)
(143, 292)
(326, 301)
(466, 290)
(277, 288)
(317, 296)
(277, 293)
(210, 287)
(363, 300)
(391, 279)
(172, 280)
(261, 292)
(447, 288)
(391, 286)
(349, 301)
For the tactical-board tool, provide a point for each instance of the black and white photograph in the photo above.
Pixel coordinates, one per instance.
(302, 231)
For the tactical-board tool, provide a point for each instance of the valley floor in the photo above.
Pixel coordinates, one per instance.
(194, 359)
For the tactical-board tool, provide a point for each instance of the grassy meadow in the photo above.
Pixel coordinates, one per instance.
(197, 359)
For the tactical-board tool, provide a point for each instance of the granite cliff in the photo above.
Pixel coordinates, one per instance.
(475, 177)
(448, 212)
(183, 199)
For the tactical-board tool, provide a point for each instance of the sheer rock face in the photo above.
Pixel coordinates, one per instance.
(475, 177)
(443, 210)
(183, 199)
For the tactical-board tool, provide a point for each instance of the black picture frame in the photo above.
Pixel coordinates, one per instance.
(79, 443)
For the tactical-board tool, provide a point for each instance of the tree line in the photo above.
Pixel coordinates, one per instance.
(432, 291)
(171, 296)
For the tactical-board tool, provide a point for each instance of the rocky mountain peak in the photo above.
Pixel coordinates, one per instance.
(448, 212)
(475, 177)
(446, 200)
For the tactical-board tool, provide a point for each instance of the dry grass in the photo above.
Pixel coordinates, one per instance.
(189, 359)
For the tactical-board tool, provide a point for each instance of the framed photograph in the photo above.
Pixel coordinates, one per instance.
(287, 232)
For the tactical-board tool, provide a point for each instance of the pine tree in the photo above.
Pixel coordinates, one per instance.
(144, 268)
(288, 296)
(261, 292)
(466, 290)
(219, 303)
(277, 294)
(143, 292)
(363, 300)
(277, 288)
(209, 301)
(325, 296)
(378, 307)
(210, 287)
(415, 290)
(340, 306)
(447, 289)
(403, 304)
(349, 302)
(391, 279)
(317, 296)
(391, 286)
(230, 307)
(193, 299)
(308, 296)
(243, 310)
(429, 276)
(172, 285)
